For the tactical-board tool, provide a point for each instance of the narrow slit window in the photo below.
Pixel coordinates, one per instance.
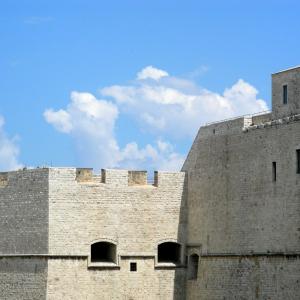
(298, 160)
(193, 267)
(285, 94)
(274, 171)
(133, 267)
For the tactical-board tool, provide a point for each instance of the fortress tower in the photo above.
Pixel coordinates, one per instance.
(243, 178)
(226, 227)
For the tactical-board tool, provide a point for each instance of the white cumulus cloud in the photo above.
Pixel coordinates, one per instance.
(60, 119)
(160, 156)
(178, 107)
(151, 73)
(91, 122)
(9, 151)
(165, 107)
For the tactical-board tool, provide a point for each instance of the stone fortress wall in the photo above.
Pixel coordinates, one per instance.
(23, 234)
(244, 202)
(58, 213)
(119, 207)
(233, 211)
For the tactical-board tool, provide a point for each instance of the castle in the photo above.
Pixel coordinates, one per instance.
(226, 227)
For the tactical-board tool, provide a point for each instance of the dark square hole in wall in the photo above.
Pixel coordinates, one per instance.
(133, 267)
(168, 252)
(103, 252)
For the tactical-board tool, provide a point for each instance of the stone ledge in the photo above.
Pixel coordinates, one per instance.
(103, 265)
(252, 254)
(168, 266)
(272, 123)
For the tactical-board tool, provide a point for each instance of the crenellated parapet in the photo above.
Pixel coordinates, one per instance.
(117, 177)
(86, 176)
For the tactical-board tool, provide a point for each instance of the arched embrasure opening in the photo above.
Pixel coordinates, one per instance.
(193, 266)
(103, 252)
(168, 252)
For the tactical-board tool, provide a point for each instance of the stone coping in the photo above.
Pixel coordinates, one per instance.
(286, 120)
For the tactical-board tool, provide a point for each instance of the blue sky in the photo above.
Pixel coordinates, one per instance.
(127, 83)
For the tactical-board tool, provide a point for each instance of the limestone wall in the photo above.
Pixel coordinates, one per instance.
(246, 278)
(69, 279)
(23, 234)
(23, 278)
(24, 212)
(235, 207)
(290, 78)
(134, 216)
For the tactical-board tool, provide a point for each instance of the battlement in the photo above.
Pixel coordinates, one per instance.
(3, 179)
(114, 177)
(139, 178)
(117, 177)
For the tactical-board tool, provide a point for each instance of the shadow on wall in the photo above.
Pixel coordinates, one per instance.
(180, 271)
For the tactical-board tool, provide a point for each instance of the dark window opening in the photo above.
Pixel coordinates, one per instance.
(274, 171)
(193, 267)
(169, 252)
(103, 252)
(298, 160)
(133, 267)
(285, 94)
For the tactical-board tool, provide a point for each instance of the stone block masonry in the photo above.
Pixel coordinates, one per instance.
(51, 217)
(244, 202)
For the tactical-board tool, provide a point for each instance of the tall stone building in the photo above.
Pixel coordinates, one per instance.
(226, 227)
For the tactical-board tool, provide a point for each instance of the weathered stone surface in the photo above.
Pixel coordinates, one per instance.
(246, 278)
(24, 212)
(135, 217)
(235, 208)
(23, 278)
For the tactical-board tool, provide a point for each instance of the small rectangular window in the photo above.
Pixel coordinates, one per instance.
(285, 94)
(298, 160)
(274, 171)
(133, 267)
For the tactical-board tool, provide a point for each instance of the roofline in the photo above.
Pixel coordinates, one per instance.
(286, 70)
(260, 113)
